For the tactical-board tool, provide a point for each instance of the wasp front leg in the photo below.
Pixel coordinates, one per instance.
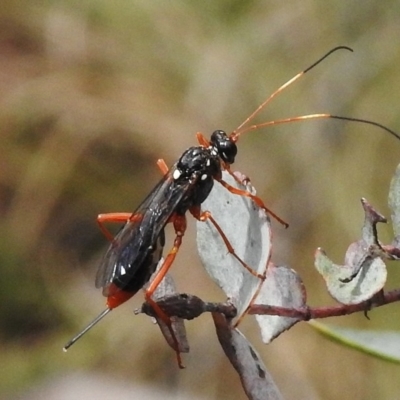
(257, 200)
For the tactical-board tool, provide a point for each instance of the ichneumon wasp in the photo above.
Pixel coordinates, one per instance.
(135, 251)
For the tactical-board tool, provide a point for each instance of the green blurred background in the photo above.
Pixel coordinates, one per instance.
(94, 92)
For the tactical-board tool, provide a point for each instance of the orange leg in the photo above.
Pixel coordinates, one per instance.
(163, 166)
(202, 140)
(115, 218)
(180, 228)
(244, 180)
(256, 200)
(206, 215)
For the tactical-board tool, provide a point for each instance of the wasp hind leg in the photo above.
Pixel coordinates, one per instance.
(180, 228)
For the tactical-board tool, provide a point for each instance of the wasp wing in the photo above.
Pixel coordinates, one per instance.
(141, 238)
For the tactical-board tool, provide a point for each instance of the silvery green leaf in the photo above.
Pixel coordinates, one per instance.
(256, 380)
(363, 273)
(381, 344)
(282, 287)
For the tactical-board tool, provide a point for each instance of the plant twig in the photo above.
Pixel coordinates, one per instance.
(189, 307)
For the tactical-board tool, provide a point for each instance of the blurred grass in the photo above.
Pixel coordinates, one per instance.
(92, 93)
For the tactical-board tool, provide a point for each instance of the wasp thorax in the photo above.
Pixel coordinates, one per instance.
(197, 161)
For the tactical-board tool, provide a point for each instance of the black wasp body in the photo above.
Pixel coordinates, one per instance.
(136, 250)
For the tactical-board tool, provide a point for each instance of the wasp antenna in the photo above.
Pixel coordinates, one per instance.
(91, 325)
(325, 56)
(237, 132)
(366, 121)
(320, 116)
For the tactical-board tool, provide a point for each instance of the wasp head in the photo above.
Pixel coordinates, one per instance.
(226, 148)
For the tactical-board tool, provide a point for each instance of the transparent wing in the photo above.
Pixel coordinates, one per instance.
(138, 239)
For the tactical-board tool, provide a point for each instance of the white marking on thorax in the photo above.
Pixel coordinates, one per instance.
(177, 173)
